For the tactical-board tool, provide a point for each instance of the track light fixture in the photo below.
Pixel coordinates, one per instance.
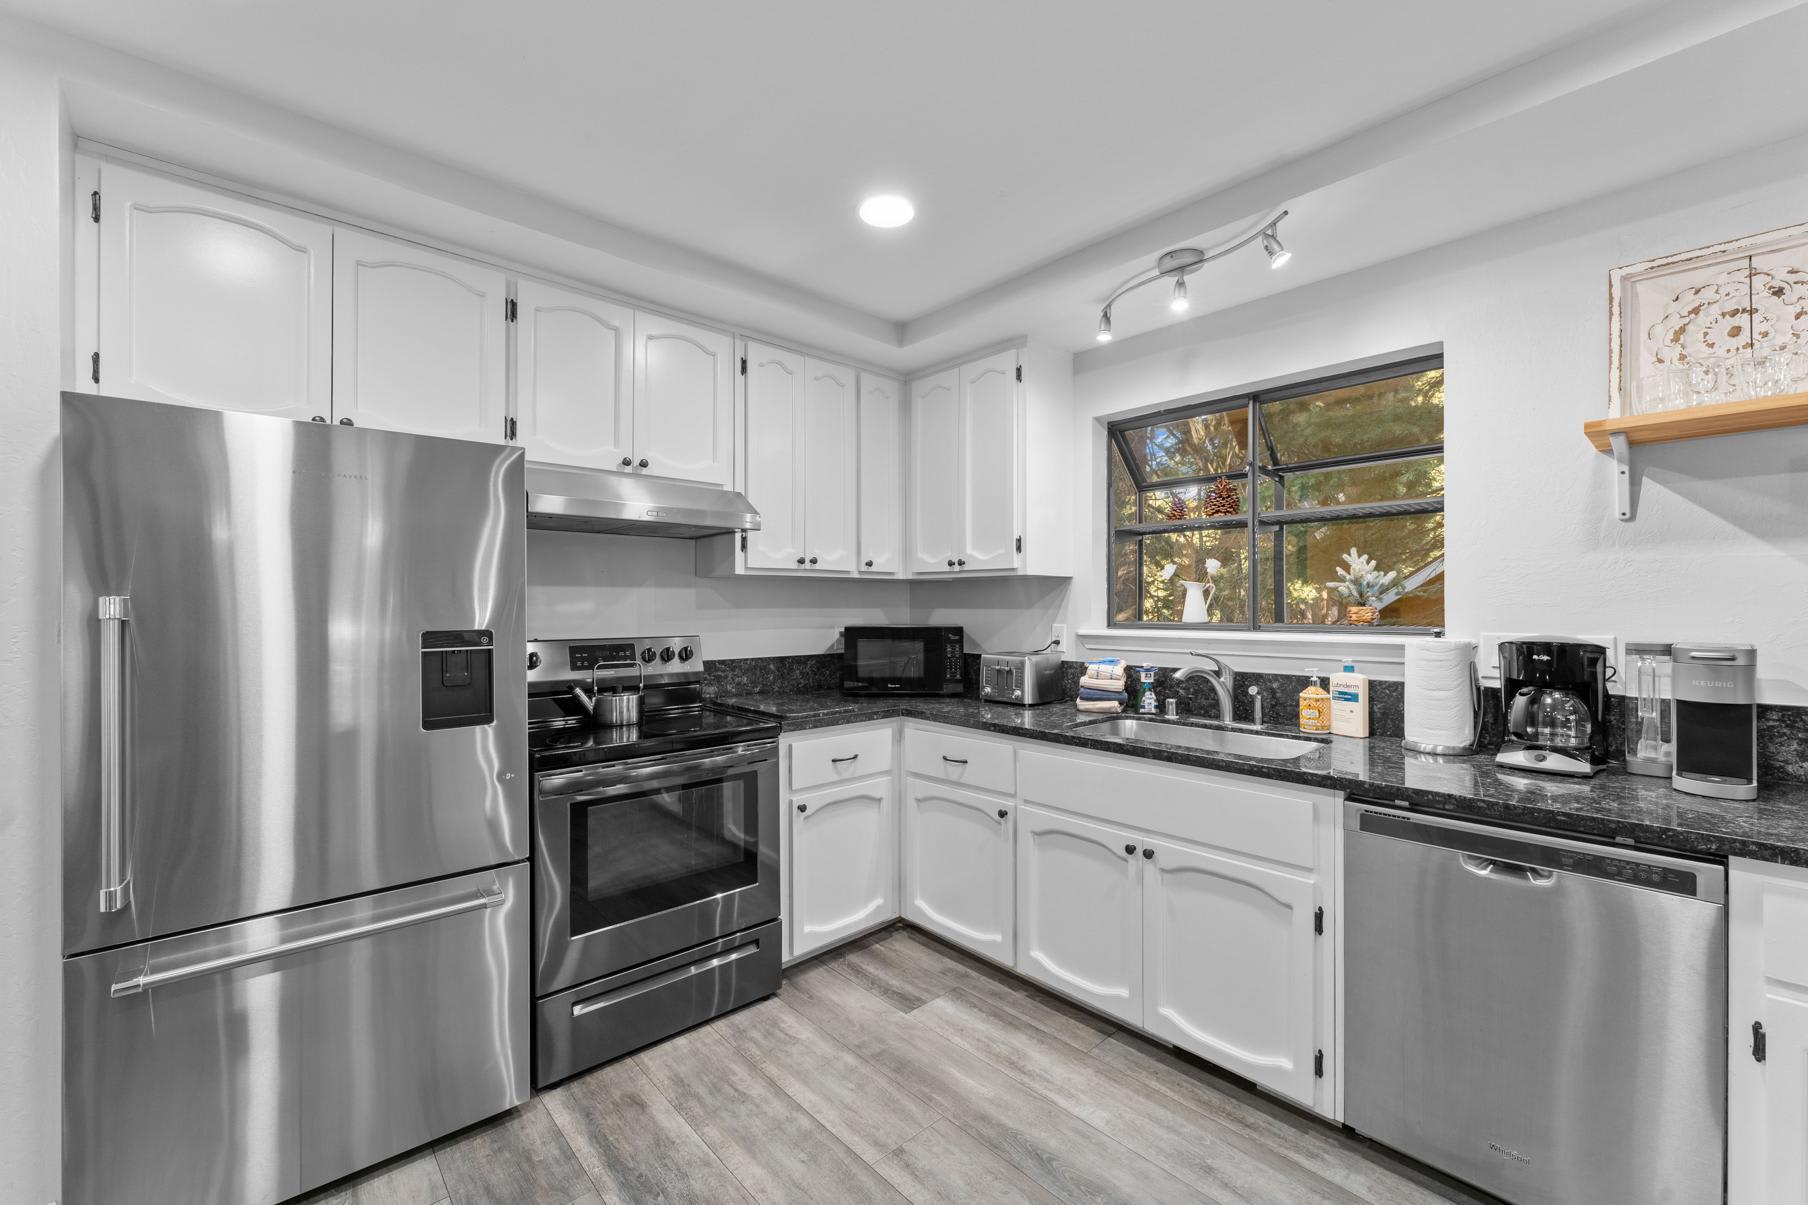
(1182, 262)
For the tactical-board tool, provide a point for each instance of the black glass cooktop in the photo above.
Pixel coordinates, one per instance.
(561, 747)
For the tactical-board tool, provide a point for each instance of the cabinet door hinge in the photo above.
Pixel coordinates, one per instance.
(511, 430)
(1760, 1046)
(1318, 921)
(94, 367)
(1020, 373)
(94, 206)
(510, 309)
(1318, 1065)
(743, 365)
(743, 541)
(1019, 543)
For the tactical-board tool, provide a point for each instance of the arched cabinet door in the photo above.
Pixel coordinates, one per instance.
(207, 299)
(831, 461)
(844, 863)
(683, 400)
(957, 866)
(1080, 910)
(418, 340)
(990, 481)
(775, 473)
(574, 377)
(935, 461)
(881, 489)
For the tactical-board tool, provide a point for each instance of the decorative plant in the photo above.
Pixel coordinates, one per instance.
(1363, 583)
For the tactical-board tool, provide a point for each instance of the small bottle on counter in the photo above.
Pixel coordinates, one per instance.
(1350, 702)
(1314, 707)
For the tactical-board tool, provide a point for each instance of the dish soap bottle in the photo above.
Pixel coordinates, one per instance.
(1314, 707)
(1350, 702)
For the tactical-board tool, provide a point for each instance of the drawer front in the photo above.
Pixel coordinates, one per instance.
(254, 1061)
(840, 757)
(975, 762)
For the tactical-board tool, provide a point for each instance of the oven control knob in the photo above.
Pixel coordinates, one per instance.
(533, 661)
(686, 653)
(667, 653)
(647, 655)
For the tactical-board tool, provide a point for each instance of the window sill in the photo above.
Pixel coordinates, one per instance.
(1379, 653)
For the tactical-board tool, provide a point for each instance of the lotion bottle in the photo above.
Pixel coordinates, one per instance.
(1350, 702)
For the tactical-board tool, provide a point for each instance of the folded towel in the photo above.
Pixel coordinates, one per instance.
(1094, 693)
(1101, 683)
(1104, 706)
(1105, 669)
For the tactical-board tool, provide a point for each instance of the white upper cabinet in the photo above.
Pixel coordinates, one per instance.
(419, 340)
(831, 462)
(683, 400)
(775, 482)
(844, 863)
(881, 484)
(990, 493)
(1080, 910)
(957, 866)
(574, 377)
(935, 463)
(1229, 964)
(207, 299)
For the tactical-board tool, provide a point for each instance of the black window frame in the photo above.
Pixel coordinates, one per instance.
(1255, 521)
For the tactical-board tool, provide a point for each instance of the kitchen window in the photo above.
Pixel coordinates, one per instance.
(1342, 465)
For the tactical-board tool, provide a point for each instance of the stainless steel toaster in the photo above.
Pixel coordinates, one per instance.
(1022, 678)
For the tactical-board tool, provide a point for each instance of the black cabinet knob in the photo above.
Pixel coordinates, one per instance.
(1148, 853)
(345, 422)
(961, 562)
(803, 807)
(869, 564)
(812, 560)
(627, 462)
(1129, 849)
(800, 560)
(950, 564)
(643, 462)
(318, 418)
(1003, 813)
(533, 661)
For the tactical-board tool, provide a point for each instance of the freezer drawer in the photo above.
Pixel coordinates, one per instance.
(251, 1062)
(600, 1020)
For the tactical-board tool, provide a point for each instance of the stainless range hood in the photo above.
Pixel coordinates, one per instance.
(622, 504)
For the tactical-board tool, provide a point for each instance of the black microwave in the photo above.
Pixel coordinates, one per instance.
(914, 660)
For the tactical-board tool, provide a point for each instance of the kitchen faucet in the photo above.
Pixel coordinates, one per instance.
(1222, 678)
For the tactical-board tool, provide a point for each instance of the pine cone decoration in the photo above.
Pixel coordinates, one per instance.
(1223, 499)
(1176, 508)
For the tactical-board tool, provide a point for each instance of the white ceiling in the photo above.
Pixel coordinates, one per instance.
(1043, 143)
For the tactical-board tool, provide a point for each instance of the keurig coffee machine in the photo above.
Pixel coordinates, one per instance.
(1716, 701)
(1554, 694)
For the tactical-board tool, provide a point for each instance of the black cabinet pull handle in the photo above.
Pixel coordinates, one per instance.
(1129, 849)
(1148, 853)
(959, 761)
(1004, 813)
(803, 807)
(850, 757)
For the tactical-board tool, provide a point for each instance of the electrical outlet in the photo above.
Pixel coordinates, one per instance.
(1487, 653)
(1060, 635)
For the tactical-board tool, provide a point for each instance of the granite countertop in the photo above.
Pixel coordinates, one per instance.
(1611, 804)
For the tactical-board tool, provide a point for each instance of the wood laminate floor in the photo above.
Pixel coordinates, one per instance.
(897, 1069)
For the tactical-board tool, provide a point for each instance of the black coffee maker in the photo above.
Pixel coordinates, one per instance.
(1554, 693)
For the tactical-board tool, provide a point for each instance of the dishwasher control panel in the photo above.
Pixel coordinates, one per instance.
(1605, 866)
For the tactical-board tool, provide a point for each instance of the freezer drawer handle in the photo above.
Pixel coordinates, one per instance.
(115, 612)
(485, 897)
(659, 981)
(1495, 868)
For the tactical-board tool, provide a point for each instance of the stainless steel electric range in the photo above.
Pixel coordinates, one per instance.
(656, 845)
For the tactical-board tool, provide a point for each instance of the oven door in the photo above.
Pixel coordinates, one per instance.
(641, 859)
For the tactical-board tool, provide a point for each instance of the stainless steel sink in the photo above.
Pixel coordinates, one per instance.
(1215, 740)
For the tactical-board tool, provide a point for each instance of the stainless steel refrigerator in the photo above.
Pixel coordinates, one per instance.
(294, 798)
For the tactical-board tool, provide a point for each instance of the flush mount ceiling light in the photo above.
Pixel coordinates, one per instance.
(1182, 262)
(886, 210)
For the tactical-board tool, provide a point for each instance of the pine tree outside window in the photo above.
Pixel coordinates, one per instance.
(1348, 463)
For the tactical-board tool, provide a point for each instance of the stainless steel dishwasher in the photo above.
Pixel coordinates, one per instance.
(1544, 1018)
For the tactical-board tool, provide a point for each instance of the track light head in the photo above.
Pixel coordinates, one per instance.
(1104, 335)
(1178, 302)
(1277, 254)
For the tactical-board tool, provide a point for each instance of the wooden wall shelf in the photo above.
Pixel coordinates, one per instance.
(1618, 435)
(1700, 422)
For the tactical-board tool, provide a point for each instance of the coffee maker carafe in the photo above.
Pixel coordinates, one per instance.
(1554, 693)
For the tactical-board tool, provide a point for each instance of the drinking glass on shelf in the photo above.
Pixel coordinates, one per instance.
(1704, 382)
(1772, 374)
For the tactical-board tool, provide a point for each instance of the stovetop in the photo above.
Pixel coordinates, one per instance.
(566, 746)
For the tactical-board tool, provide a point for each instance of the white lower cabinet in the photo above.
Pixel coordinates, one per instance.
(1080, 910)
(1767, 975)
(1229, 964)
(958, 862)
(844, 862)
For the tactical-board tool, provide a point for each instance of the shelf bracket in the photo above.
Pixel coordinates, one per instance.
(1622, 472)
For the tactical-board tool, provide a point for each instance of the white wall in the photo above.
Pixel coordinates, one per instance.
(586, 585)
(1719, 550)
(33, 190)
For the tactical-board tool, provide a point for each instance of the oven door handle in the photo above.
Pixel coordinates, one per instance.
(649, 769)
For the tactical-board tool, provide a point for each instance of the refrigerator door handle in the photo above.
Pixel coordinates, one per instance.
(115, 612)
(485, 897)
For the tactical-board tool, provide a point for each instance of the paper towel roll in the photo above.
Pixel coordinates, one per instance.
(1440, 694)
